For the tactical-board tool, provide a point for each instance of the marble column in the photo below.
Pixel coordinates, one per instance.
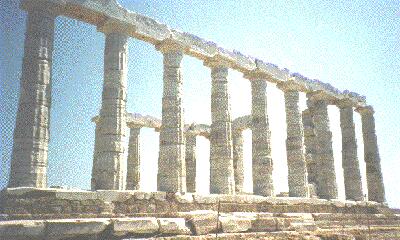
(133, 164)
(31, 133)
(297, 170)
(326, 180)
(310, 146)
(221, 151)
(261, 137)
(237, 137)
(190, 157)
(376, 189)
(108, 170)
(351, 169)
(171, 175)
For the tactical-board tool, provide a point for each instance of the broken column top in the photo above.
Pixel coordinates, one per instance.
(108, 13)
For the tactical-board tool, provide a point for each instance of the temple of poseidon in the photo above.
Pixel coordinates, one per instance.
(116, 208)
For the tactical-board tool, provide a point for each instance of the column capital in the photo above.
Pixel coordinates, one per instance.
(321, 95)
(170, 45)
(115, 26)
(291, 86)
(365, 110)
(217, 61)
(256, 74)
(134, 126)
(51, 8)
(344, 103)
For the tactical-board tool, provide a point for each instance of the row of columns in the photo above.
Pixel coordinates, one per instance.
(31, 137)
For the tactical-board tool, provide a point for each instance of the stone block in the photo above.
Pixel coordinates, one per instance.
(264, 224)
(69, 228)
(184, 198)
(75, 195)
(114, 195)
(135, 226)
(173, 226)
(206, 199)
(159, 196)
(203, 221)
(234, 224)
(22, 229)
(142, 195)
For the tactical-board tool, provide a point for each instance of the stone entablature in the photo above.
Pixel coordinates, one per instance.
(107, 14)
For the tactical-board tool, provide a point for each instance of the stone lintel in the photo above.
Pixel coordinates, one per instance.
(242, 123)
(198, 130)
(170, 45)
(292, 85)
(116, 26)
(219, 60)
(365, 110)
(321, 95)
(276, 74)
(134, 126)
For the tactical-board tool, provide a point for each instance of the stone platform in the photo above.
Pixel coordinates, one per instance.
(33, 203)
(31, 213)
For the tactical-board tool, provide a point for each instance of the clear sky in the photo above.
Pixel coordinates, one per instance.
(352, 45)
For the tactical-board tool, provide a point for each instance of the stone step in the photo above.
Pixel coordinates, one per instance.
(202, 222)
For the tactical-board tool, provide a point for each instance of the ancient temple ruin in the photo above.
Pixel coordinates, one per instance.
(175, 209)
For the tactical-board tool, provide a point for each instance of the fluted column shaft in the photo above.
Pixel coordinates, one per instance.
(297, 171)
(237, 137)
(310, 147)
(376, 189)
(261, 140)
(190, 162)
(133, 164)
(351, 169)
(171, 175)
(326, 180)
(31, 134)
(110, 136)
(221, 151)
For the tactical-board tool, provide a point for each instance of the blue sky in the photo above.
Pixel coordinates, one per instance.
(352, 45)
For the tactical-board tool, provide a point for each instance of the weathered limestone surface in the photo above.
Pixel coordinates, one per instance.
(376, 189)
(203, 221)
(351, 169)
(261, 137)
(221, 150)
(310, 145)
(297, 170)
(233, 224)
(145, 225)
(31, 134)
(326, 179)
(22, 229)
(133, 164)
(190, 157)
(69, 228)
(173, 226)
(171, 175)
(237, 139)
(58, 203)
(110, 136)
